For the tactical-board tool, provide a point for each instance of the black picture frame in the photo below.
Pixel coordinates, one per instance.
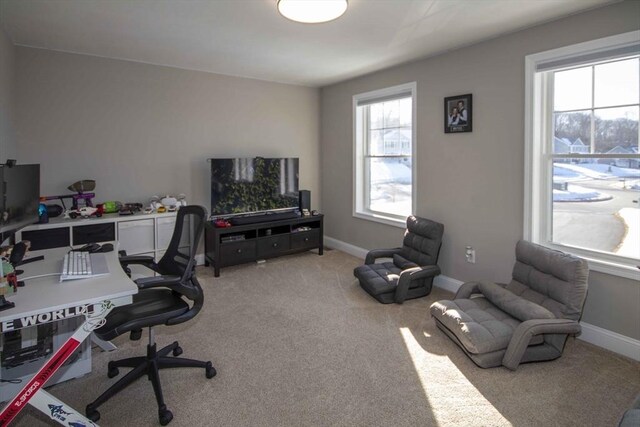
(454, 120)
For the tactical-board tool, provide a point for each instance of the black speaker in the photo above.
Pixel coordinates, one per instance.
(304, 200)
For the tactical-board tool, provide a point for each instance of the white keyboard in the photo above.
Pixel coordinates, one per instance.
(81, 265)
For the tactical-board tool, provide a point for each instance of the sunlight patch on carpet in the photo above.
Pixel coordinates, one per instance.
(452, 398)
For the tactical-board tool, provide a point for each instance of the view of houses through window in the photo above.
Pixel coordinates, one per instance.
(383, 162)
(596, 161)
(388, 156)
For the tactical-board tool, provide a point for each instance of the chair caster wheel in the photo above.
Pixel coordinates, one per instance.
(93, 415)
(177, 351)
(165, 416)
(112, 371)
(210, 370)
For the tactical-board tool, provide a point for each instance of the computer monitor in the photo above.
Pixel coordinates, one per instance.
(20, 198)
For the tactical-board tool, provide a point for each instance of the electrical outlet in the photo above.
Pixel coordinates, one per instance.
(470, 254)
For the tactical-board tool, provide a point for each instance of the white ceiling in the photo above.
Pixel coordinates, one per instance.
(249, 38)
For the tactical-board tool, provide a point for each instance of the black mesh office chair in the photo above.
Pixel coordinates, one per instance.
(162, 300)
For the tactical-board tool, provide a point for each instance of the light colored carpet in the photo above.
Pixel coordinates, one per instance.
(297, 342)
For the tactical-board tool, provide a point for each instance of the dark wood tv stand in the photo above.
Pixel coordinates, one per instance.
(240, 244)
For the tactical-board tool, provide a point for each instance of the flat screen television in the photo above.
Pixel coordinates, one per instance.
(20, 198)
(252, 185)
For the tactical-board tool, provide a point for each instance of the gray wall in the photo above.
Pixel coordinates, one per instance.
(7, 98)
(140, 129)
(473, 182)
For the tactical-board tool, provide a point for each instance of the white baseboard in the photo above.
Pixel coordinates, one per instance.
(595, 335)
(345, 247)
(200, 259)
(610, 340)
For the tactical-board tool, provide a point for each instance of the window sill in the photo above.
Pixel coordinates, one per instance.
(395, 222)
(619, 269)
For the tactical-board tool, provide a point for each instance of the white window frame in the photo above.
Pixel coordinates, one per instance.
(360, 193)
(538, 170)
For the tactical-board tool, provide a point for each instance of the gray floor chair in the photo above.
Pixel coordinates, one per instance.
(631, 418)
(412, 269)
(528, 319)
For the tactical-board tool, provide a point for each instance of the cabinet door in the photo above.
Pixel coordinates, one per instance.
(136, 236)
(94, 233)
(165, 231)
(47, 239)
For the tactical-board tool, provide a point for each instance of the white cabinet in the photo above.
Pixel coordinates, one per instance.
(137, 236)
(165, 231)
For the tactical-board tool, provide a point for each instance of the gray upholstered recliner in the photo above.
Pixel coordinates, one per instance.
(411, 273)
(526, 320)
(631, 418)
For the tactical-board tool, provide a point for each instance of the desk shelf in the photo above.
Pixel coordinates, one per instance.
(138, 234)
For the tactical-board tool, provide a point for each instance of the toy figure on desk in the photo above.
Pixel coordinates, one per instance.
(167, 203)
(8, 281)
(82, 199)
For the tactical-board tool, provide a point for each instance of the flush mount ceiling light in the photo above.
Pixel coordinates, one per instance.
(312, 11)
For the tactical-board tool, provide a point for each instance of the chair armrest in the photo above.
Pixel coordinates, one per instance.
(410, 274)
(530, 328)
(157, 282)
(136, 259)
(467, 289)
(380, 253)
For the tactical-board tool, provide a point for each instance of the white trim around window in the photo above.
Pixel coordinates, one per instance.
(360, 194)
(538, 130)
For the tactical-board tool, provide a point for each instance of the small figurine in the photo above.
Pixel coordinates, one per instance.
(168, 203)
(84, 212)
(8, 281)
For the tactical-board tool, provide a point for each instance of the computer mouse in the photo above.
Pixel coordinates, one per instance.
(107, 247)
(90, 247)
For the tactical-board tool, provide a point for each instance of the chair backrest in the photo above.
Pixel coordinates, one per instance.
(422, 241)
(550, 278)
(180, 257)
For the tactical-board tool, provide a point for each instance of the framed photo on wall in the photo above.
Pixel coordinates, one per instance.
(458, 114)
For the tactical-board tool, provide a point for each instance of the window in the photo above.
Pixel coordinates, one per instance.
(384, 151)
(582, 156)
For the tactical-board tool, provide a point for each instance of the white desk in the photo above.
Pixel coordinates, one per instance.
(44, 300)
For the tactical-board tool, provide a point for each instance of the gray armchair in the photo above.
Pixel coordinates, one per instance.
(413, 267)
(528, 319)
(631, 418)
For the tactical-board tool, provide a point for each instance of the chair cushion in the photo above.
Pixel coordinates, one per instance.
(552, 279)
(512, 304)
(379, 278)
(422, 241)
(479, 325)
(403, 263)
(150, 307)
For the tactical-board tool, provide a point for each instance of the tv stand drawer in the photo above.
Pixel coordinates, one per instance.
(273, 246)
(305, 239)
(237, 252)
